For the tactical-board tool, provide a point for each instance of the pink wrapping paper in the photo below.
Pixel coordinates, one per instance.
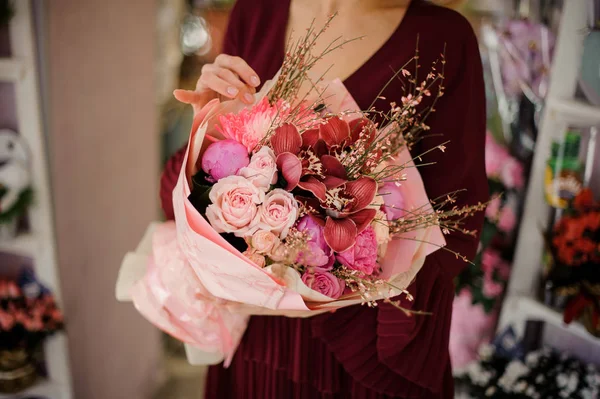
(201, 290)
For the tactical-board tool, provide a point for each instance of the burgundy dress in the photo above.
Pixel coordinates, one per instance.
(361, 352)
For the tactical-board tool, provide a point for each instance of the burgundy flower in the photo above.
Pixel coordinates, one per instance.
(343, 203)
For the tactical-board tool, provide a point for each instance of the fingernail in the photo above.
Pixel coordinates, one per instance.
(232, 91)
(249, 97)
(255, 80)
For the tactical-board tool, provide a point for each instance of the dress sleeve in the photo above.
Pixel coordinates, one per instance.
(231, 46)
(408, 356)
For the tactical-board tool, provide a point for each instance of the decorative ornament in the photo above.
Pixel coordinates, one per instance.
(15, 179)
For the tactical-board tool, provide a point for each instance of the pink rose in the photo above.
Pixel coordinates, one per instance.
(325, 283)
(224, 158)
(314, 255)
(512, 173)
(255, 258)
(262, 170)
(264, 241)
(234, 207)
(278, 212)
(507, 219)
(393, 200)
(362, 256)
(491, 288)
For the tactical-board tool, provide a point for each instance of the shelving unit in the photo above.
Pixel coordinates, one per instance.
(39, 243)
(562, 110)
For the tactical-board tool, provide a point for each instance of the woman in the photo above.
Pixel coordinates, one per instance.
(360, 352)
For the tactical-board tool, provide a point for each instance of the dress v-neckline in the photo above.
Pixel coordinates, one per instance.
(365, 65)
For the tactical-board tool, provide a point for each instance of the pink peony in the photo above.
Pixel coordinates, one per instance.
(507, 219)
(325, 283)
(224, 158)
(318, 252)
(234, 207)
(250, 125)
(262, 170)
(512, 173)
(264, 242)
(362, 256)
(278, 213)
(393, 200)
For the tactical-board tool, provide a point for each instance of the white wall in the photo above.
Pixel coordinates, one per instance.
(104, 164)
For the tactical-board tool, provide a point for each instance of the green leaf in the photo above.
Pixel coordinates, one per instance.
(199, 197)
(19, 208)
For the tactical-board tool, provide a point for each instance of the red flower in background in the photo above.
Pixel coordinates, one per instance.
(575, 236)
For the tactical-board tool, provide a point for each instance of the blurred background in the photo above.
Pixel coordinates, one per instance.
(87, 119)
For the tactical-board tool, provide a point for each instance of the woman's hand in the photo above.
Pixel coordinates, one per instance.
(229, 77)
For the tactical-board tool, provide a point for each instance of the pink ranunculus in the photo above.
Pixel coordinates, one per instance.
(362, 256)
(278, 212)
(262, 170)
(264, 242)
(324, 282)
(250, 125)
(507, 219)
(491, 288)
(234, 207)
(224, 158)
(255, 258)
(495, 156)
(393, 200)
(511, 173)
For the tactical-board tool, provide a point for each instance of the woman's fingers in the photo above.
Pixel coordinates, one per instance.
(245, 92)
(230, 77)
(240, 67)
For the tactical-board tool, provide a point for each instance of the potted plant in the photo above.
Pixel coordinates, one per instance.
(28, 315)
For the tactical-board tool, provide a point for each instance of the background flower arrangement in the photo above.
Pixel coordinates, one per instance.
(504, 370)
(574, 246)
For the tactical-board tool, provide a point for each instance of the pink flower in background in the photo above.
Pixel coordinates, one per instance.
(470, 328)
(493, 209)
(393, 200)
(224, 158)
(495, 156)
(491, 288)
(262, 170)
(278, 213)
(362, 256)
(490, 259)
(325, 283)
(250, 125)
(234, 207)
(512, 173)
(507, 219)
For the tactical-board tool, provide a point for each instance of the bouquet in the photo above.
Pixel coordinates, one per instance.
(295, 206)
(574, 245)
